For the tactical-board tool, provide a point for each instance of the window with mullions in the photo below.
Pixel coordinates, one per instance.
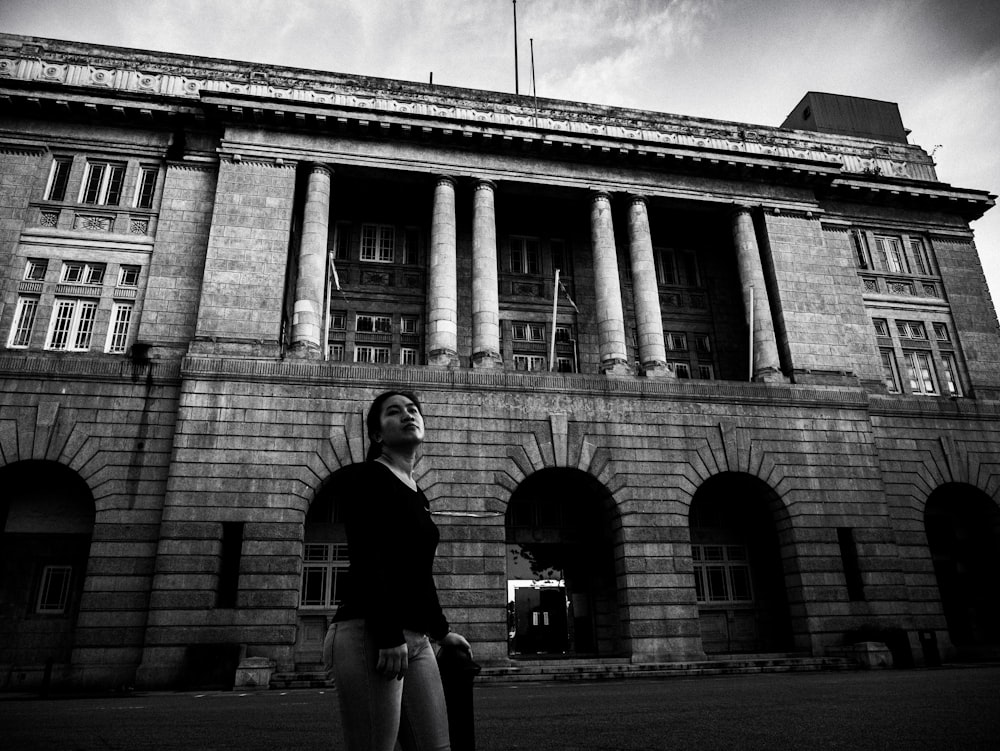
(921, 258)
(721, 573)
(941, 332)
(53, 590)
(121, 322)
(72, 326)
(24, 322)
(529, 362)
(890, 253)
(365, 323)
(920, 372)
(911, 330)
(371, 354)
(378, 243)
(128, 276)
(77, 272)
(528, 332)
(881, 327)
(682, 370)
(102, 184)
(324, 571)
(949, 374)
(34, 270)
(890, 371)
(675, 341)
(145, 188)
(523, 256)
(408, 356)
(55, 189)
(676, 267)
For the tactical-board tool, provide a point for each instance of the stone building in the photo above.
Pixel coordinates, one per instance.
(758, 413)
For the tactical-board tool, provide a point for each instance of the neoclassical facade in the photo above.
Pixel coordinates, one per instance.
(693, 387)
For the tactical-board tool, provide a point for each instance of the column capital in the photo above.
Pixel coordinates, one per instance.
(483, 183)
(634, 198)
(599, 195)
(742, 208)
(321, 168)
(445, 180)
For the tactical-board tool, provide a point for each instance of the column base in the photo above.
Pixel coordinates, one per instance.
(487, 360)
(769, 375)
(443, 358)
(658, 370)
(615, 367)
(304, 351)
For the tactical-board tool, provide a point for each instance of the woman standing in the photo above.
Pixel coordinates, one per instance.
(379, 646)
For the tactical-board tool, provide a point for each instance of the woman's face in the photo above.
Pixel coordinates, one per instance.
(400, 424)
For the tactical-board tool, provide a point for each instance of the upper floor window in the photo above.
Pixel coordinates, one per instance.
(675, 340)
(528, 332)
(121, 322)
(920, 372)
(24, 322)
(76, 272)
(53, 590)
(676, 267)
(890, 253)
(55, 190)
(894, 254)
(524, 256)
(373, 324)
(529, 362)
(102, 183)
(338, 320)
(881, 326)
(72, 325)
(911, 330)
(941, 332)
(408, 325)
(411, 246)
(890, 372)
(145, 187)
(34, 270)
(128, 276)
(378, 243)
(371, 354)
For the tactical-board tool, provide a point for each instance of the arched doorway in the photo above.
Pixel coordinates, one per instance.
(963, 533)
(739, 578)
(324, 570)
(561, 584)
(47, 520)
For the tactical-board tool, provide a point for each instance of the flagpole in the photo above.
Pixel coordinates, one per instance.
(517, 89)
(326, 309)
(555, 310)
(751, 333)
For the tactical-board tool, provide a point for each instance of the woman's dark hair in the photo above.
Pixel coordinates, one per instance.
(374, 420)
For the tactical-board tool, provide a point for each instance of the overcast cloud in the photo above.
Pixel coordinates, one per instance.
(742, 60)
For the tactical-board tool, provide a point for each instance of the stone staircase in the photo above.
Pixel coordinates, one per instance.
(593, 669)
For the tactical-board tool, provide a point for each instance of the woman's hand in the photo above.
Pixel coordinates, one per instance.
(392, 662)
(451, 639)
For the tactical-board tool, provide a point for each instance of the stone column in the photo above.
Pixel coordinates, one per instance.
(442, 325)
(652, 352)
(766, 365)
(610, 312)
(485, 289)
(308, 314)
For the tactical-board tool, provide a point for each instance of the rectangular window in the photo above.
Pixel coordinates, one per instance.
(890, 373)
(524, 257)
(34, 270)
(706, 372)
(682, 370)
(324, 571)
(230, 554)
(528, 332)
(407, 356)
(411, 246)
(378, 243)
(366, 323)
(921, 260)
(911, 330)
(145, 187)
(666, 266)
(565, 365)
(721, 573)
(72, 325)
(529, 362)
(941, 332)
(703, 343)
(55, 190)
(128, 276)
(342, 240)
(76, 272)
(851, 563)
(675, 340)
(121, 321)
(338, 320)
(920, 373)
(408, 325)
(564, 335)
(890, 252)
(560, 259)
(53, 590)
(24, 322)
(336, 352)
(881, 326)
(371, 354)
(860, 249)
(950, 374)
(102, 184)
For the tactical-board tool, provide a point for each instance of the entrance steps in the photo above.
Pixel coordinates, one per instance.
(604, 668)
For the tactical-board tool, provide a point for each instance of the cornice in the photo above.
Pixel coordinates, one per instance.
(87, 368)
(237, 89)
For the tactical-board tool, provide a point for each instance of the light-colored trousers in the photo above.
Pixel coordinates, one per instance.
(377, 711)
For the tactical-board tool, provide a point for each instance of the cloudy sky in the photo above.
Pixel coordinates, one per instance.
(743, 60)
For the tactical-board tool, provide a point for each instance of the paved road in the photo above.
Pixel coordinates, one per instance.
(932, 710)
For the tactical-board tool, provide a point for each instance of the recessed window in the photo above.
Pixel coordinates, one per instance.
(365, 323)
(145, 187)
(72, 325)
(342, 240)
(706, 372)
(941, 332)
(881, 326)
(411, 246)
(682, 370)
(890, 372)
(911, 330)
(528, 332)
(325, 567)
(76, 272)
(128, 276)
(950, 375)
(102, 184)
(24, 322)
(53, 591)
(524, 256)
(34, 270)
(55, 190)
(921, 258)
(408, 325)
(920, 372)
(371, 354)
(336, 352)
(675, 340)
(378, 243)
(565, 365)
(890, 253)
(529, 362)
(121, 322)
(407, 356)
(338, 320)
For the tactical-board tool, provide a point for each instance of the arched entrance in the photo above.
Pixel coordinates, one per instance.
(739, 579)
(963, 533)
(561, 585)
(324, 569)
(47, 519)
